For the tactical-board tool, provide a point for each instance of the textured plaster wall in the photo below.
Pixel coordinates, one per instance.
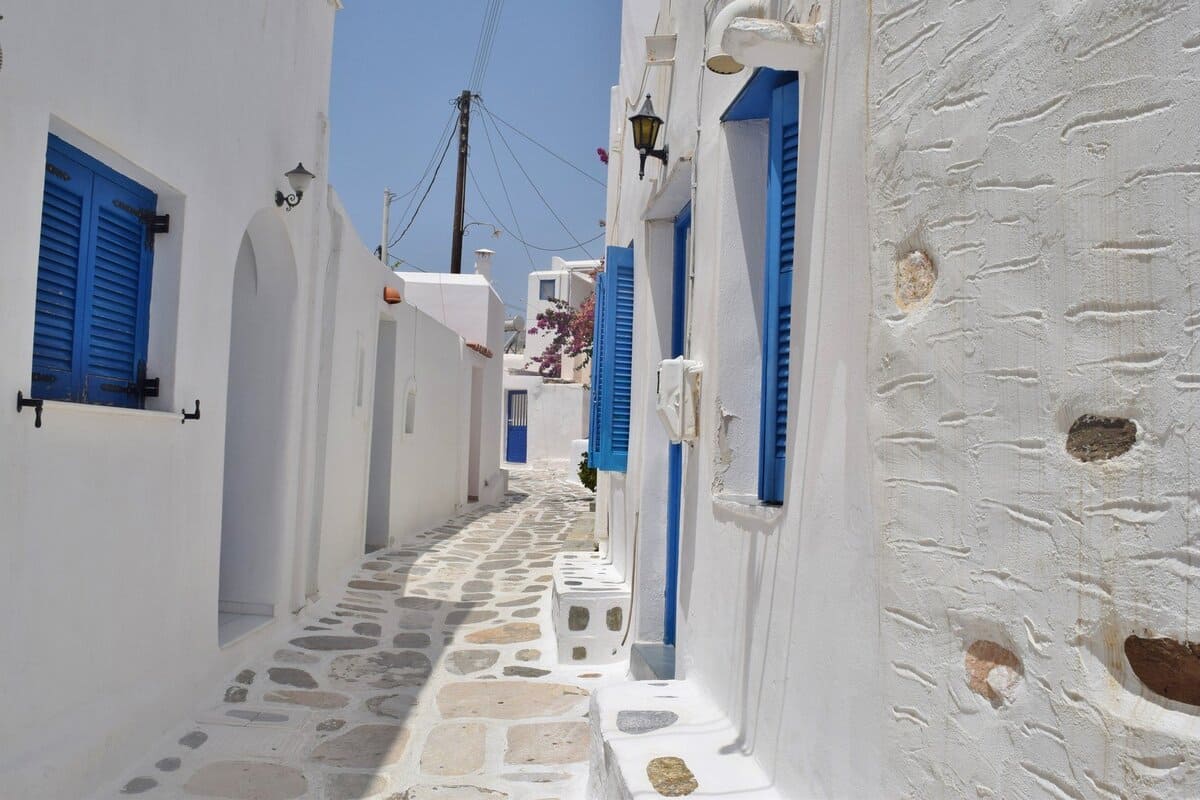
(1043, 155)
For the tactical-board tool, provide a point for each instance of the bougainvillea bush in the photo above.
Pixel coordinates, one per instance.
(571, 329)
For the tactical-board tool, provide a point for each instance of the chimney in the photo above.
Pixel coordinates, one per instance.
(483, 262)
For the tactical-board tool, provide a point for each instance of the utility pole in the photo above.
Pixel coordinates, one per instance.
(460, 193)
(385, 233)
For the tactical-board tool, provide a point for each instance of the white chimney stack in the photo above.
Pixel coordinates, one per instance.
(483, 262)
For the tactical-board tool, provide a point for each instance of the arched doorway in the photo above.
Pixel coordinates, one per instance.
(260, 347)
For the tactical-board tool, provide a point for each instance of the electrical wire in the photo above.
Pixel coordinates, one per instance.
(495, 161)
(485, 43)
(496, 118)
(428, 188)
(424, 174)
(506, 229)
(538, 192)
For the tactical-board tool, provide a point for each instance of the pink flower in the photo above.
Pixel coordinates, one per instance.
(600, 151)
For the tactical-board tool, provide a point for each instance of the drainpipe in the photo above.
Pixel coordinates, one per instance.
(717, 59)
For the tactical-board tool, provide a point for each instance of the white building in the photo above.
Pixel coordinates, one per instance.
(885, 570)
(144, 558)
(545, 419)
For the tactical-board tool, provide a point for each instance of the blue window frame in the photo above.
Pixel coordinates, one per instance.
(612, 363)
(777, 319)
(546, 289)
(93, 282)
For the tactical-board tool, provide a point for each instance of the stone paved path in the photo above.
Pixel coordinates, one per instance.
(432, 677)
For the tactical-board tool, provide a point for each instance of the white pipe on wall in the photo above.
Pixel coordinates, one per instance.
(716, 59)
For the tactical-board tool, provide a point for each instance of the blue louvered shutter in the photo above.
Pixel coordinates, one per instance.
(59, 312)
(777, 329)
(618, 367)
(598, 361)
(119, 294)
(93, 287)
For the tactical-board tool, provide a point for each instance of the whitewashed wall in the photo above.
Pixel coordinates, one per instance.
(111, 520)
(1041, 154)
(557, 416)
(778, 616)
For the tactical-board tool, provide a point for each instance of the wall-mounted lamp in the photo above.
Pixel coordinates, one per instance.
(646, 125)
(299, 179)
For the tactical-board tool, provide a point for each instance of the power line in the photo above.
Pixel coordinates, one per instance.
(424, 174)
(483, 47)
(504, 186)
(428, 188)
(538, 192)
(521, 133)
(506, 229)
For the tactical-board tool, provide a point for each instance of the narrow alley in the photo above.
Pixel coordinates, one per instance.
(433, 674)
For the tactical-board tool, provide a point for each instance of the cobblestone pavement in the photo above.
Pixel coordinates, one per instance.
(433, 676)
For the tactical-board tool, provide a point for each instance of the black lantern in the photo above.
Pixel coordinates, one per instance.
(299, 179)
(646, 125)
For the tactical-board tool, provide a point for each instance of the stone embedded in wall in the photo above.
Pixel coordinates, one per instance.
(671, 777)
(915, 276)
(1167, 667)
(1093, 438)
(578, 618)
(993, 672)
(614, 618)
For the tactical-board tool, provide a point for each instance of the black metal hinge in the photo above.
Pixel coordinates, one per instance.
(155, 223)
(142, 388)
(190, 415)
(24, 402)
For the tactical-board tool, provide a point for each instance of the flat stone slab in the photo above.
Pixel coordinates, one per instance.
(525, 672)
(364, 747)
(465, 662)
(410, 641)
(454, 748)
(375, 586)
(470, 617)
(290, 676)
(509, 633)
(393, 706)
(247, 780)
(508, 699)
(335, 642)
(323, 700)
(295, 657)
(354, 785)
(385, 670)
(645, 721)
(547, 743)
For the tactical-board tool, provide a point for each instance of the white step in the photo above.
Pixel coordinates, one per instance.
(693, 729)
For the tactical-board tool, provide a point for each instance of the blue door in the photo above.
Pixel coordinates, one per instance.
(683, 225)
(518, 426)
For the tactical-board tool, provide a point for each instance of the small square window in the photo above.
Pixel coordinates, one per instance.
(546, 289)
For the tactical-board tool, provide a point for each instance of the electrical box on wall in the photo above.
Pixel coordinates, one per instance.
(679, 397)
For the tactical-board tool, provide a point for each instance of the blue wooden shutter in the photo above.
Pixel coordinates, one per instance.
(598, 361)
(119, 292)
(618, 362)
(59, 310)
(777, 332)
(93, 288)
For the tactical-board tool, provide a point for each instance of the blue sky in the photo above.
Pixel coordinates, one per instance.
(397, 66)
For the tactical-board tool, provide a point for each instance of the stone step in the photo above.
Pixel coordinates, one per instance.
(590, 609)
(654, 739)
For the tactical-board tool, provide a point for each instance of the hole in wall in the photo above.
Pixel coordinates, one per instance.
(1167, 667)
(993, 671)
(1094, 438)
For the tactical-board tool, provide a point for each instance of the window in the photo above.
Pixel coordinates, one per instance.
(93, 283)
(612, 356)
(546, 289)
(777, 325)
